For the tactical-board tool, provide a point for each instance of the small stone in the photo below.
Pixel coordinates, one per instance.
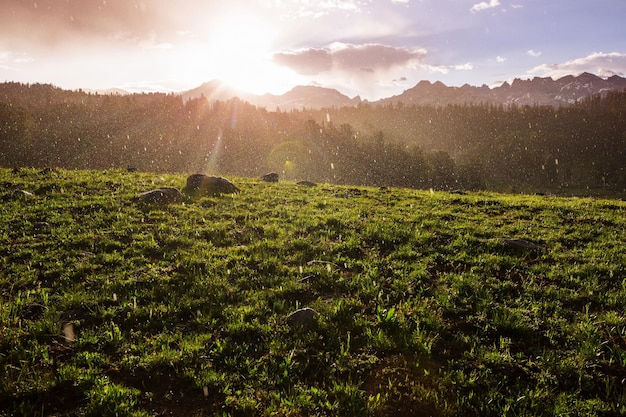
(522, 244)
(270, 177)
(303, 317)
(161, 196)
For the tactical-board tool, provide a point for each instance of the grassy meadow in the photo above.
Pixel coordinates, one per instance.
(423, 307)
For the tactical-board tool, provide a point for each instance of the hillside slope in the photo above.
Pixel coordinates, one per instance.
(425, 303)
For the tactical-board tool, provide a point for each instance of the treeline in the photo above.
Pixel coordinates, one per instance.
(452, 147)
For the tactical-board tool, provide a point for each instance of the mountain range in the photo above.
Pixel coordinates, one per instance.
(537, 91)
(298, 97)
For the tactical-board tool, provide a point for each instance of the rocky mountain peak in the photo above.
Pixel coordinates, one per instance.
(536, 91)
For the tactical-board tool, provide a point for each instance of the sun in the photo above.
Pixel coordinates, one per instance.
(240, 54)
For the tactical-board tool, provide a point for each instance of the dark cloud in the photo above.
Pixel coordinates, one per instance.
(375, 56)
(351, 58)
(307, 62)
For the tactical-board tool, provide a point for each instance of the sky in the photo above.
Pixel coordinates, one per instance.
(370, 48)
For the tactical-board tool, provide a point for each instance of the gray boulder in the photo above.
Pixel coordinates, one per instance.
(270, 177)
(200, 185)
(164, 195)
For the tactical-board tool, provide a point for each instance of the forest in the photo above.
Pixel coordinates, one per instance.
(577, 150)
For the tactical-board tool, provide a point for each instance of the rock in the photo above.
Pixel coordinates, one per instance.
(164, 195)
(199, 185)
(303, 317)
(521, 244)
(270, 177)
(306, 183)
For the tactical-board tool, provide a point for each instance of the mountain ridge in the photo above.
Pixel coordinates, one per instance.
(563, 91)
(566, 90)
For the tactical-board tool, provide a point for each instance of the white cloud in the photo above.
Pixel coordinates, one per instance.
(464, 67)
(9, 58)
(534, 53)
(599, 63)
(313, 9)
(23, 59)
(435, 69)
(353, 5)
(500, 59)
(478, 7)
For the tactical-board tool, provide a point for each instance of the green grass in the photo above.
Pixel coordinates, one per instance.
(108, 308)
